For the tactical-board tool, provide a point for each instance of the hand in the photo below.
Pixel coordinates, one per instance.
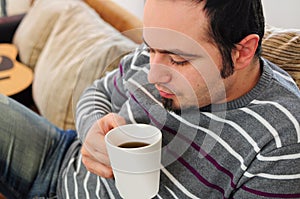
(94, 153)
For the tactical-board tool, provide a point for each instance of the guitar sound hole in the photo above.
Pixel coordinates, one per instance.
(5, 63)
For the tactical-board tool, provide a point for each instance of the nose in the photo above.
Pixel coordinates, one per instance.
(159, 71)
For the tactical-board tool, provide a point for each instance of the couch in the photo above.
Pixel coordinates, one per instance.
(68, 44)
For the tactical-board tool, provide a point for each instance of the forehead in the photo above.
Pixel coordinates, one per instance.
(174, 23)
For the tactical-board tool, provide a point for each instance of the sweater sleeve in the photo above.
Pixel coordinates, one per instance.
(108, 94)
(104, 96)
(94, 103)
(272, 175)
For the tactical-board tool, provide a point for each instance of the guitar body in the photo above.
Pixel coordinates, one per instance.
(14, 76)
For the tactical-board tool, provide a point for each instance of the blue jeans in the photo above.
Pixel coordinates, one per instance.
(3, 8)
(31, 152)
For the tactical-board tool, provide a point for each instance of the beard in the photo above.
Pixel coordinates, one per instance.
(168, 104)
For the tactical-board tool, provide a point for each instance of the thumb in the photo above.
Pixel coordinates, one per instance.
(110, 121)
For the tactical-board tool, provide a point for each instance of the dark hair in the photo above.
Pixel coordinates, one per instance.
(231, 21)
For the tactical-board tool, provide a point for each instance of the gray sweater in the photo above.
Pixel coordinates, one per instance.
(246, 148)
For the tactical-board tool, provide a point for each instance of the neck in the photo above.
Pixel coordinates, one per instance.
(243, 81)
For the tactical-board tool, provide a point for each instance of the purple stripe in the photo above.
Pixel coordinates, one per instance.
(193, 144)
(270, 195)
(117, 88)
(213, 161)
(195, 173)
(121, 69)
(188, 166)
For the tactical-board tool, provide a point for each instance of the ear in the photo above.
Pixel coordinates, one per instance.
(244, 52)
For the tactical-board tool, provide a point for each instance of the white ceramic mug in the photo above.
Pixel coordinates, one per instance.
(136, 169)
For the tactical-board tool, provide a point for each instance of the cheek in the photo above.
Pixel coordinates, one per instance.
(188, 83)
(206, 72)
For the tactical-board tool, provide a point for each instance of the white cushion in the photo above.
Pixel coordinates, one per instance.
(77, 52)
(34, 29)
(14, 7)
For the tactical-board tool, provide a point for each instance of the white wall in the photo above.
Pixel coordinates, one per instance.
(282, 13)
(134, 6)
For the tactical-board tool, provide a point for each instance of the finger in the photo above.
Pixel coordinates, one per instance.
(95, 142)
(111, 121)
(95, 154)
(97, 168)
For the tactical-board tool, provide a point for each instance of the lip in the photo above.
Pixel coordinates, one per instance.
(165, 94)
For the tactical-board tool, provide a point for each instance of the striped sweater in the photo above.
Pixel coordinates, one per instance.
(246, 148)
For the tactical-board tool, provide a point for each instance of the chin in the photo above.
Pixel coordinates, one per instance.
(171, 105)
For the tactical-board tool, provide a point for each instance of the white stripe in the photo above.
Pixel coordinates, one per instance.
(272, 176)
(85, 181)
(106, 109)
(97, 188)
(84, 117)
(125, 56)
(277, 158)
(178, 184)
(91, 105)
(102, 103)
(107, 77)
(237, 127)
(144, 52)
(75, 186)
(145, 91)
(288, 78)
(216, 137)
(266, 124)
(145, 70)
(91, 94)
(115, 107)
(81, 119)
(286, 112)
(134, 58)
(130, 115)
(74, 176)
(85, 110)
(138, 68)
(110, 193)
(97, 94)
(171, 192)
(66, 177)
(91, 97)
(159, 196)
(9, 155)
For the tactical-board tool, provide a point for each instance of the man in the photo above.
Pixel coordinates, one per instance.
(230, 119)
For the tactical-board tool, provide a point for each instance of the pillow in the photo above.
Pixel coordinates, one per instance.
(15, 8)
(119, 18)
(77, 52)
(282, 47)
(34, 29)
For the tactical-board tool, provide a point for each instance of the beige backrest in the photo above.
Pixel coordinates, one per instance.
(119, 18)
(282, 47)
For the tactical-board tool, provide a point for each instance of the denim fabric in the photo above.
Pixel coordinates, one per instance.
(31, 152)
(3, 8)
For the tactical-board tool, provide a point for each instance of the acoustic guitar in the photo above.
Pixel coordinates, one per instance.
(14, 76)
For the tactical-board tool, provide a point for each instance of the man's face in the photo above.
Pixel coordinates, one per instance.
(184, 65)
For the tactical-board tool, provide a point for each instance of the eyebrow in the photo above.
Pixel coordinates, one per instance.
(174, 52)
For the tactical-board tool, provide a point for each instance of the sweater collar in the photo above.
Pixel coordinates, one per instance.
(246, 99)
